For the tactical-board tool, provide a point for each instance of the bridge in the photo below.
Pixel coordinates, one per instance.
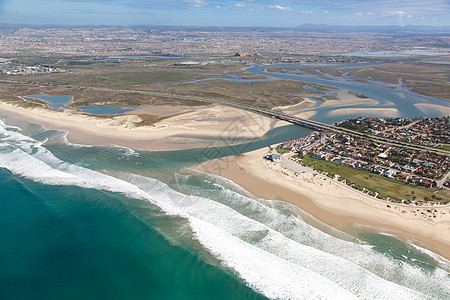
(310, 124)
(318, 126)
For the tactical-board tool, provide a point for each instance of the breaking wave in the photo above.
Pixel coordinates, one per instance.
(271, 248)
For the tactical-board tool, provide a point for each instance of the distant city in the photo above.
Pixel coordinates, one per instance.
(157, 40)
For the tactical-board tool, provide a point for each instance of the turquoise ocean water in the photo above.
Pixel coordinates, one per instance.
(83, 222)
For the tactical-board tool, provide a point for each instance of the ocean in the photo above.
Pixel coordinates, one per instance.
(105, 222)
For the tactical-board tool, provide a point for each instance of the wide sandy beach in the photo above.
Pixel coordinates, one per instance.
(333, 203)
(179, 129)
(325, 199)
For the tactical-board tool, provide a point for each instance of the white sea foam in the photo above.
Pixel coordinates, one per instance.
(277, 254)
(281, 216)
(3, 130)
(225, 182)
(346, 274)
(435, 256)
(265, 272)
(66, 141)
(126, 151)
(3, 126)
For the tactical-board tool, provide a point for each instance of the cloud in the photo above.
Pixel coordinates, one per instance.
(364, 14)
(279, 7)
(417, 8)
(398, 14)
(196, 3)
(240, 4)
(379, 7)
(223, 12)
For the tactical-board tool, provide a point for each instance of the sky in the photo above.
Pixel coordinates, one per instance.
(263, 13)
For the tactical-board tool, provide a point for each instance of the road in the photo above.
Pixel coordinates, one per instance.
(311, 124)
(440, 183)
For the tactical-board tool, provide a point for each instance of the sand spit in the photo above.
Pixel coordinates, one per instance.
(188, 128)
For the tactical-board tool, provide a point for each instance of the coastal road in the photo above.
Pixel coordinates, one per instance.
(311, 124)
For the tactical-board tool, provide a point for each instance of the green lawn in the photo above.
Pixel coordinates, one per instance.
(282, 150)
(445, 147)
(384, 186)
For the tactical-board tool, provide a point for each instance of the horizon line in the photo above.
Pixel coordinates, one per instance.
(221, 26)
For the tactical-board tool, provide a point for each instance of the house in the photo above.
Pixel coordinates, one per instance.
(338, 160)
(318, 156)
(378, 170)
(419, 172)
(390, 173)
(382, 155)
(273, 157)
(408, 168)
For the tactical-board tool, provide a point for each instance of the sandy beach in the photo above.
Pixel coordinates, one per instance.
(308, 107)
(179, 129)
(329, 201)
(427, 107)
(387, 112)
(333, 203)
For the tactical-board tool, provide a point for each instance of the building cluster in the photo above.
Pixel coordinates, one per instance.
(27, 70)
(422, 131)
(116, 40)
(407, 165)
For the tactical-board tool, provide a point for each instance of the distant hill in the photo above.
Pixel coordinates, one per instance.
(409, 29)
(381, 29)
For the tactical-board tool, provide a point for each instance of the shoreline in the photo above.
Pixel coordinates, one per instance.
(330, 203)
(184, 130)
(335, 205)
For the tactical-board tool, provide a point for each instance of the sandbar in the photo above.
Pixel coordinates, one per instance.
(329, 201)
(187, 128)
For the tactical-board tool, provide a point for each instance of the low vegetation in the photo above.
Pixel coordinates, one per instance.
(377, 185)
(158, 76)
(445, 147)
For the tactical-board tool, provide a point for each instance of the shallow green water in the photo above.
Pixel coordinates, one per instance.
(112, 223)
(63, 242)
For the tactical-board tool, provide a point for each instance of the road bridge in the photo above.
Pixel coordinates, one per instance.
(315, 125)
(310, 124)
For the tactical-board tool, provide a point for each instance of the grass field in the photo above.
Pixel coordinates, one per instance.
(386, 187)
(445, 147)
